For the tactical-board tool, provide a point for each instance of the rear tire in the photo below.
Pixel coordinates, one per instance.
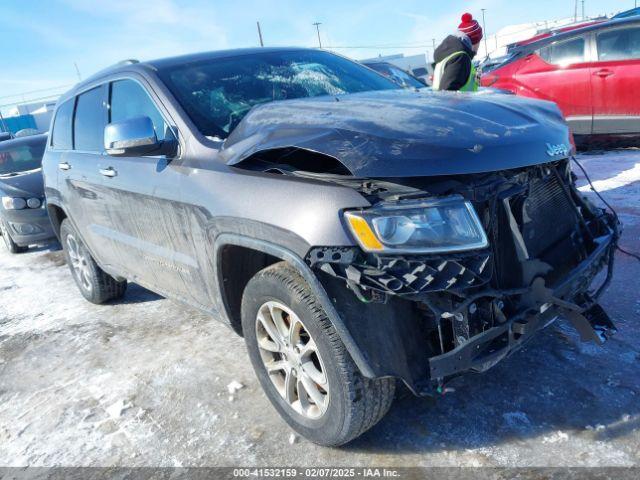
(8, 241)
(94, 283)
(352, 404)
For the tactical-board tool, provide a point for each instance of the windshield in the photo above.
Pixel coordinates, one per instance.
(20, 156)
(218, 93)
(397, 75)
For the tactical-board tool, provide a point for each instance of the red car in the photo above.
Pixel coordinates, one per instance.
(591, 72)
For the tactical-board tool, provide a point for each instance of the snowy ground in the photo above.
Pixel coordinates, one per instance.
(144, 382)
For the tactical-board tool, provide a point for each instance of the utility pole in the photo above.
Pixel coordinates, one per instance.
(433, 42)
(582, 9)
(260, 34)
(575, 12)
(484, 27)
(317, 24)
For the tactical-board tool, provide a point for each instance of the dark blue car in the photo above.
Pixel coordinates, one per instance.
(23, 216)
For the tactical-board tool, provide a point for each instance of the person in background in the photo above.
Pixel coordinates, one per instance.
(454, 69)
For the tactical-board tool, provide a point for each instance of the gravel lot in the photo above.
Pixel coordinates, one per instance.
(144, 382)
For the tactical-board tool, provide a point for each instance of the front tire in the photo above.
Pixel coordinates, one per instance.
(8, 241)
(94, 283)
(301, 363)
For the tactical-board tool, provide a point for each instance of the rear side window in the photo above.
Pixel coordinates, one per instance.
(61, 137)
(89, 121)
(130, 100)
(622, 44)
(564, 53)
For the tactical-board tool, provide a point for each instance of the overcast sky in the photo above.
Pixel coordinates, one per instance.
(41, 40)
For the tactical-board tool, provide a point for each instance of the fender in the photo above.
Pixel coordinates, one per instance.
(304, 270)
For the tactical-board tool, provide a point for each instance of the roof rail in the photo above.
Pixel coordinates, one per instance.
(129, 61)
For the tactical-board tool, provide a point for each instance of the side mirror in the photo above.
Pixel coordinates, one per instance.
(132, 137)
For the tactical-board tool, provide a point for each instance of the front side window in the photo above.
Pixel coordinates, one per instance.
(564, 53)
(621, 44)
(218, 93)
(89, 121)
(129, 100)
(21, 156)
(61, 136)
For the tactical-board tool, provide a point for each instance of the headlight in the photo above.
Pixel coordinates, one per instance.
(10, 203)
(430, 226)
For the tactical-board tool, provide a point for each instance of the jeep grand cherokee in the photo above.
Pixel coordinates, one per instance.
(355, 233)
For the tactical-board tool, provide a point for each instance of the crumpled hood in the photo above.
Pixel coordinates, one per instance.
(29, 184)
(402, 133)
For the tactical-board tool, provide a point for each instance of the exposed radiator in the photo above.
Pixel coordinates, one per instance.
(546, 216)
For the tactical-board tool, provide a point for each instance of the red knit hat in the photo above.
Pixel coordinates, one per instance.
(471, 28)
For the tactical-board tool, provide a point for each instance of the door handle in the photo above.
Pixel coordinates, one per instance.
(108, 172)
(64, 166)
(603, 73)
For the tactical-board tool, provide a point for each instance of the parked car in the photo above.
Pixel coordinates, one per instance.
(396, 74)
(5, 136)
(353, 231)
(23, 216)
(592, 73)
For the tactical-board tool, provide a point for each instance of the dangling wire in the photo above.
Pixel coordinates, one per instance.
(615, 214)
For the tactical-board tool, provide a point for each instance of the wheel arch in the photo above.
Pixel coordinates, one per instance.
(56, 216)
(256, 253)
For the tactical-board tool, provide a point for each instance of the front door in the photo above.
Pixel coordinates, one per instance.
(615, 78)
(148, 225)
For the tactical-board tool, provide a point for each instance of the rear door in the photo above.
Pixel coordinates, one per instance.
(615, 77)
(560, 72)
(78, 133)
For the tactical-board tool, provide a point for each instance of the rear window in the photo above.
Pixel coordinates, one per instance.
(21, 156)
(61, 136)
(622, 44)
(564, 53)
(89, 121)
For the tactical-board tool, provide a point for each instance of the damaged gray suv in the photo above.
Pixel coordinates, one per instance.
(354, 232)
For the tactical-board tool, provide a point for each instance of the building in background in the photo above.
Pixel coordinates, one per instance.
(20, 116)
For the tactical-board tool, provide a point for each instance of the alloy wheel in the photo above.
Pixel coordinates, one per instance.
(79, 262)
(292, 360)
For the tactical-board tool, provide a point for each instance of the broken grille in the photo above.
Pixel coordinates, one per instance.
(405, 275)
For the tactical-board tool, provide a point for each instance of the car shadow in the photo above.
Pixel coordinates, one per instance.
(137, 294)
(554, 384)
(48, 247)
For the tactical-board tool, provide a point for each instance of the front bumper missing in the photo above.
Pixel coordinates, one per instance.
(398, 333)
(486, 349)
